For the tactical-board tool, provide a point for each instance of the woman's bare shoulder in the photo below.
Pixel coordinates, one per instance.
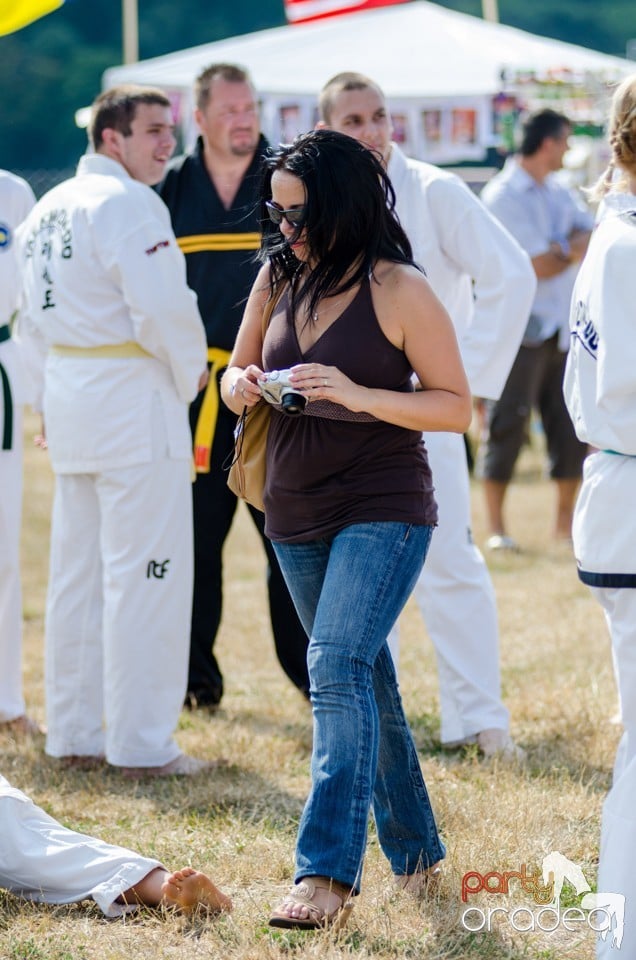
(262, 286)
(393, 279)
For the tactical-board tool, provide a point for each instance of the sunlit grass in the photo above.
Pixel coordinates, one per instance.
(239, 821)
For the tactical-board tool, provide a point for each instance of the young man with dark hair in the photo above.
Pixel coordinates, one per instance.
(115, 109)
(105, 295)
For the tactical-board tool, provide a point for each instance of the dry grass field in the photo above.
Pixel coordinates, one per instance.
(238, 822)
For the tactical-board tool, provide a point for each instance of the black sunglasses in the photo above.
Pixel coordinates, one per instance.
(294, 217)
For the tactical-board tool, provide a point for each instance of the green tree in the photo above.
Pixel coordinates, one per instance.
(55, 65)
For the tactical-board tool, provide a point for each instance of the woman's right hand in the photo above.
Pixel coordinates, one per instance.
(239, 386)
(245, 385)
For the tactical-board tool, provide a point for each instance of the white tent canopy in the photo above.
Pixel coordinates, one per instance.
(422, 55)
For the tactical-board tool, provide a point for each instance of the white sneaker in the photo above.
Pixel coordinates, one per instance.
(503, 543)
(182, 766)
(491, 743)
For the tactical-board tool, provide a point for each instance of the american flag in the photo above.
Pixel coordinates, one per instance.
(300, 11)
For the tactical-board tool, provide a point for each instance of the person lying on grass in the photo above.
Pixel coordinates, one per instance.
(43, 861)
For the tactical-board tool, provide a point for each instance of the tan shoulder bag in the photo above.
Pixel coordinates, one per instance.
(246, 477)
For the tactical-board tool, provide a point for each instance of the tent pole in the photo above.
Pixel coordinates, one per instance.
(130, 29)
(490, 10)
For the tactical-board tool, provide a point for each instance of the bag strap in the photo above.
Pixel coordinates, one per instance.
(270, 306)
(268, 311)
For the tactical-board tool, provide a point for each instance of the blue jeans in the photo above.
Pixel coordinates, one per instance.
(349, 590)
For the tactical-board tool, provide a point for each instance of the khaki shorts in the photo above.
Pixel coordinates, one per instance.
(535, 382)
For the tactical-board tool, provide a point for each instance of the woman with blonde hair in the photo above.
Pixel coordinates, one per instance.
(600, 392)
(349, 497)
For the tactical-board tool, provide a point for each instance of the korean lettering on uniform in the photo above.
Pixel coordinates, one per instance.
(53, 225)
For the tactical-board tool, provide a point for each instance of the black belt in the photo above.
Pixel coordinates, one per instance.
(7, 430)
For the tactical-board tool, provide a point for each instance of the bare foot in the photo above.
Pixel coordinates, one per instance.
(188, 889)
(22, 726)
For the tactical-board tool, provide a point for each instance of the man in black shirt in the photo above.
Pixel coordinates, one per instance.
(212, 196)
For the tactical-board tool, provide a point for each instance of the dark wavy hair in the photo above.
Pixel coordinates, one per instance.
(540, 126)
(350, 216)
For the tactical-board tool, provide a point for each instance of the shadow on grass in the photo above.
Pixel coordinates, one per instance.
(434, 938)
(558, 757)
(226, 791)
(262, 725)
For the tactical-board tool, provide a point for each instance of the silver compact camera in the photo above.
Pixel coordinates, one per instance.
(277, 389)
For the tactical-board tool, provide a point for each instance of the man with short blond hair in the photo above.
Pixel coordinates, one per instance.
(212, 195)
(485, 281)
(228, 72)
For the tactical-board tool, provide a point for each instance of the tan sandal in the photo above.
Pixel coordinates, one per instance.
(302, 894)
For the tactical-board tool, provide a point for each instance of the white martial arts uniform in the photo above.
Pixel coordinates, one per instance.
(43, 861)
(600, 392)
(16, 199)
(102, 269)
(486, 282)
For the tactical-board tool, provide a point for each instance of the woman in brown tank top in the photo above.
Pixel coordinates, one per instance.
(348, 500)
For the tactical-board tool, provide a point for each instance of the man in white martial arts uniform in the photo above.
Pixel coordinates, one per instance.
(42, 860)
(600, 393)
(457, 243)
(105, 289)
(16, 199)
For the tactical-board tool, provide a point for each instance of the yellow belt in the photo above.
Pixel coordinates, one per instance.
(206, 421)
(111, 351)
(114, 351)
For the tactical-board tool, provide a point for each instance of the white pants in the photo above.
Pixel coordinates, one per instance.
(618, 829)
(11, 698)
(118, 611)
(42, 860)
(457, 600)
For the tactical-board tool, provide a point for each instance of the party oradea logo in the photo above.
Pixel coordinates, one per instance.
(604, 913)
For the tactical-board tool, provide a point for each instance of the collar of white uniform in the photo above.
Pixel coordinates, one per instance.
(397, 163)
(100, 163)
(620, 201)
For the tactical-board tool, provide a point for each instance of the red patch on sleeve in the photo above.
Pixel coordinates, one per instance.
(157, 246)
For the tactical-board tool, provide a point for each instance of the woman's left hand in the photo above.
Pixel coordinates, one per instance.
(319, 382)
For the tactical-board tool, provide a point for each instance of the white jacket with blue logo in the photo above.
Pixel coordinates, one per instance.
(600, 393)
(16, 200)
